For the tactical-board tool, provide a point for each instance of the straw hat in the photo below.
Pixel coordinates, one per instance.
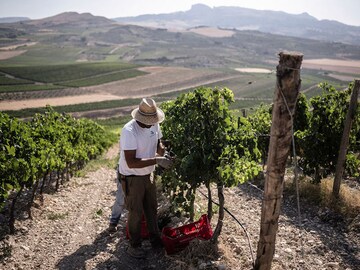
(148, 113)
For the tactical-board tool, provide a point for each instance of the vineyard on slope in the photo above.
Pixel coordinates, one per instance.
(214, 146)
(50, 145)
(56, 145)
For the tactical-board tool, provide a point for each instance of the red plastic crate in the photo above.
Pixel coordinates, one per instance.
(176, 239)
(144, 230)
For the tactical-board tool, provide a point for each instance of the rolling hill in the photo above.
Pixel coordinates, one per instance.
(71, 37)
(275, 22)
(13, 19)
(73, 19)
(73, 41)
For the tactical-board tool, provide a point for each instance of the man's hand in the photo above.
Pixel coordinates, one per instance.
(164, 162)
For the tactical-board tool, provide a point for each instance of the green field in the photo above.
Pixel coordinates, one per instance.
(49, 77)
(261, 89)
(11, 88)
(5, 80)
(62, 73)
(262, 86)
(104, 78)
(44, 54)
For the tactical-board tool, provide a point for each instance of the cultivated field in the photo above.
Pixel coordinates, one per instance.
(342, 66)
(251, 86)
(85, 64)
(6, 105)
(13, 47)
(212, 32)
(6, 54)
(158, 80)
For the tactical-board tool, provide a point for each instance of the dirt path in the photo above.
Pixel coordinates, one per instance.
(65, 229)
(69, 232)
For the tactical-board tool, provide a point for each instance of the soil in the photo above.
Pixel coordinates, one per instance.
(69, 231)
(344, 78)
(10, 54)
(61, 101)
(254, 70)
(345, 66)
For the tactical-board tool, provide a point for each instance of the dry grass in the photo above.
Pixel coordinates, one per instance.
(348, 203)
(212, 32)
(10, 54)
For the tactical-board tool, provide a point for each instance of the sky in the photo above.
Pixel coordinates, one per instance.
(345, 11)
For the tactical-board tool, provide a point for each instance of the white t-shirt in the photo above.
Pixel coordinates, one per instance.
(143, 140)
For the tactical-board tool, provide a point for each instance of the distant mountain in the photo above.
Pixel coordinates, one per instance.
(275, 22)
(71, 18)
(72, 36)
(13, 19)
(63, 22)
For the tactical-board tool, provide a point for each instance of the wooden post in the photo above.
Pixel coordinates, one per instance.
(345, 139)
(243, 112)
(286, 93)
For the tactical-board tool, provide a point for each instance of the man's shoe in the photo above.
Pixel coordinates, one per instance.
(135, 252)
(112, 228)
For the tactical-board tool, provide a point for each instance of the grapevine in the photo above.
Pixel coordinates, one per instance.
(49, 144)
(319, 143)
(209, 146)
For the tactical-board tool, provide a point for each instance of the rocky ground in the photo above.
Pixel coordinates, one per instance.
(68, 231)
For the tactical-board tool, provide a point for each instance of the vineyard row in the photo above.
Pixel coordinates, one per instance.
(50, 144)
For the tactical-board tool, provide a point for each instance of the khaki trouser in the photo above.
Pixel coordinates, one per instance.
(141, 198)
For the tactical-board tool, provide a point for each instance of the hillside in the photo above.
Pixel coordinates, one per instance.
(80, 36)
(73, 41)
(275, 22)
(68, 231)
(71, 37)
(72, 18)
(13, 19)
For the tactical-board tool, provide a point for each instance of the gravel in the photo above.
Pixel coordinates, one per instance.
(68, 231)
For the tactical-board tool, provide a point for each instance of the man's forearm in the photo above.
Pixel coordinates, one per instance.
(137, 163)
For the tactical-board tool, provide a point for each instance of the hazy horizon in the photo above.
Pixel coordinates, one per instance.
(345, 11)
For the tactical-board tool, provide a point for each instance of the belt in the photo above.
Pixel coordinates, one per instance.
(133, 175)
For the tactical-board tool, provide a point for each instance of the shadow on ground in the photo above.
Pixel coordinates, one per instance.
(331, 228)
(119, 259)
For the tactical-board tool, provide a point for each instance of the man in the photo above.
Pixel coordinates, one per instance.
(140, 151)
(118, 206)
